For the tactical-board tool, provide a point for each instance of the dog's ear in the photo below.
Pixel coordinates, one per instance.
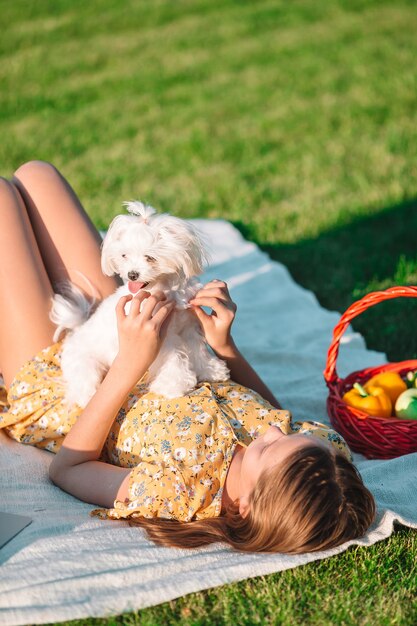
(195, 252)
(188, 245)
(115, 232)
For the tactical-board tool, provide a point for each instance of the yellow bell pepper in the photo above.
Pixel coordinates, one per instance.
(391, 383)
(374, 400)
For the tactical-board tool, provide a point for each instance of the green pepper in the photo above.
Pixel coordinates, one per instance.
(406, 405)
(411, 379)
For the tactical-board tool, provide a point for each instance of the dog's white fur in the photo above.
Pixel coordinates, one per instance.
(166, 253)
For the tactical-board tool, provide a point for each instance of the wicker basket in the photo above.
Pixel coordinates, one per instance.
(375, 437)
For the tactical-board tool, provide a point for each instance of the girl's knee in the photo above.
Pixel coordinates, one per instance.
(35, 170)
(7, 190)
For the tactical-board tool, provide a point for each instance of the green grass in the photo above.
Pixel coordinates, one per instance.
(295, 120)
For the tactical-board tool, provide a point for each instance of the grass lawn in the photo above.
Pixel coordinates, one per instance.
(297, 122)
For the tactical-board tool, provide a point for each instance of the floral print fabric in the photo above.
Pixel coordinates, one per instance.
(179, 450)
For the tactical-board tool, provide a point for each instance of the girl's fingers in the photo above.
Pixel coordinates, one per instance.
(220, 284)
(213, 292)
(215, 289)
(159, 295)
(120, 306)
(151, 303)
(212, 302)
(202, 315)
(137, 301)
(163, 312)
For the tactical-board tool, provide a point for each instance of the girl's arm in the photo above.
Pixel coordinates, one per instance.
(244, 374)
(76, 468)
(217, 327)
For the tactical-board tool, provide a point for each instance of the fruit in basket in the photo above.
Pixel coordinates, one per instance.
(373, 400)
(391, 383)
(406, 405)
(411, 379)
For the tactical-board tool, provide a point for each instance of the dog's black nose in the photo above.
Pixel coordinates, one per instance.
(133, 275)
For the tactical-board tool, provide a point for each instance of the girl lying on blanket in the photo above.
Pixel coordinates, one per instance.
(223, 463)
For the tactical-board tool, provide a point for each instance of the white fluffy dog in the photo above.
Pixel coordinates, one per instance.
(152, 251)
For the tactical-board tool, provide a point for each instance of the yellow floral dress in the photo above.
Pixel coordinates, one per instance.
(179, 450)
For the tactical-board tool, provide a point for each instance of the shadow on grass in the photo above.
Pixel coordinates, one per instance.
(343, 264)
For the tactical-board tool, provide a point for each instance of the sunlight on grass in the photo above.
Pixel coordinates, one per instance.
(296, 121)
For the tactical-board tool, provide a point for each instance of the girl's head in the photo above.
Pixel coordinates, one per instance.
(312, 499)
(268, 450)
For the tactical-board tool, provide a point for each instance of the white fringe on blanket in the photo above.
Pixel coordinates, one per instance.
(67, 565)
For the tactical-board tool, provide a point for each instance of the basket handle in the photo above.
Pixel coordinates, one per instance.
(355, 309)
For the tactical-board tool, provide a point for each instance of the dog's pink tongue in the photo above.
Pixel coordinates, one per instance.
(134, 286)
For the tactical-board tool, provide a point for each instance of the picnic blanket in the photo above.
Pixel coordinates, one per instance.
(67, 565)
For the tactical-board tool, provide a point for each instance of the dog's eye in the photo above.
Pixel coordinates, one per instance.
(123, 256)
(149, 258)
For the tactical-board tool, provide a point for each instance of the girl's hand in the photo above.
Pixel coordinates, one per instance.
(216, 325)
(141, 332)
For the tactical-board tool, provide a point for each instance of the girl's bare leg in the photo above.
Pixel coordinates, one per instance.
(25, 289)
(68, 241)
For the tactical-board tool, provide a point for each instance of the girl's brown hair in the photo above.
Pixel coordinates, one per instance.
(316, 501)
